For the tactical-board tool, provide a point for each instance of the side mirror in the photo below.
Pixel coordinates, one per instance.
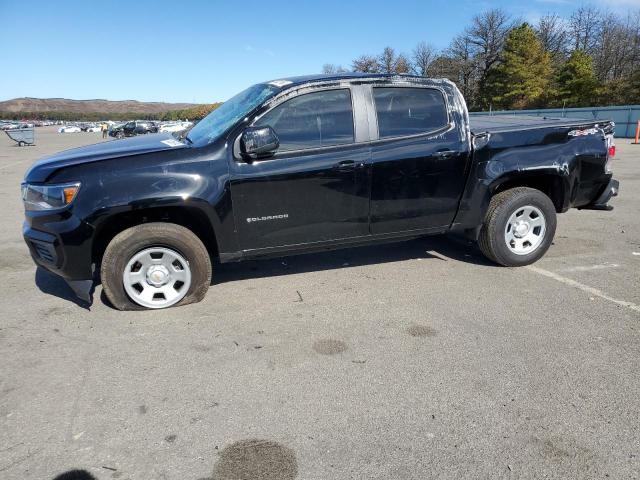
(258, 141)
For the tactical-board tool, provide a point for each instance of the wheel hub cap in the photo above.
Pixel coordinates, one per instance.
(521, 229)
(157, 277)
(525, 230)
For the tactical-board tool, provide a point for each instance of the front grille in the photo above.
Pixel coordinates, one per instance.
(45, 251)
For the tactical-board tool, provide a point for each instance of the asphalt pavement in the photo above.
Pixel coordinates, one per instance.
(411, 360)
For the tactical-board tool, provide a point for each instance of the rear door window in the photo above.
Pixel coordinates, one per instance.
(409, 111)
(312, 120)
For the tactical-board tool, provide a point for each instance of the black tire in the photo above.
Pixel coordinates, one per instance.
(132, 240)
(119, 135)
(492, 241)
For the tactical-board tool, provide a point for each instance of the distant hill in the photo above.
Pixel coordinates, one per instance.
(37, 105)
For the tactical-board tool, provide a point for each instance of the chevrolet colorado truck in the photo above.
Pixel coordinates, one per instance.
(305, 164)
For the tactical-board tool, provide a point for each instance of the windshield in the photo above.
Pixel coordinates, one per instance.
(226, 115)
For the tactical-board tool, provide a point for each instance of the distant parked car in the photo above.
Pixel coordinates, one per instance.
(93, 129)
(175, 127)
(133, 128)
(69, 129)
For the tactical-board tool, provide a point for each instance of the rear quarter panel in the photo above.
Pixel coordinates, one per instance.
(577, 161)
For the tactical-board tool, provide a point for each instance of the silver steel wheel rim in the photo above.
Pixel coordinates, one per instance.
(525, 230)
(157, 277)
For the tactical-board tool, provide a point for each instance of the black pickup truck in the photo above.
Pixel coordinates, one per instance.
(305, 164)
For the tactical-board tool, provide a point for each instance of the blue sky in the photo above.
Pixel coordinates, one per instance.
(205, 51)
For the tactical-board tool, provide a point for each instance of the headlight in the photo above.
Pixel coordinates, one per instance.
(48, 197)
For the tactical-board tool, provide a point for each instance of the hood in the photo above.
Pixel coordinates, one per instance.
(155, 142)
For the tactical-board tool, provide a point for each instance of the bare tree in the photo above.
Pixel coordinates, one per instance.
(611, 49)
(634, 46)
(487, 34)
(584, 28)
(387, 60)
(463, 66)
(366, 63)
(552, 32)
(444, 66)
(331, 68)
(617, 51)
(422, 58)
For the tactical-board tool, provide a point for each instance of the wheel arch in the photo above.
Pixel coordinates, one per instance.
(190, 217)
(553, 184)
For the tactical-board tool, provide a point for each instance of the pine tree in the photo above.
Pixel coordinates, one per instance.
(576, 83)
(523, 74)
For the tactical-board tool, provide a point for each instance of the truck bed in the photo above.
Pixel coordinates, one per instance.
(506, 123)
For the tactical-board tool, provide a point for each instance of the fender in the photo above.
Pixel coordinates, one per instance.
(152, 186)
(557, 164)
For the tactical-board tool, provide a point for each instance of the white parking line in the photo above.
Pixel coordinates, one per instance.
(587, 268)
(585, 288)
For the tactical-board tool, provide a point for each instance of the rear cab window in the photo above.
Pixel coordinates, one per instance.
(406, 111)
(312, 120)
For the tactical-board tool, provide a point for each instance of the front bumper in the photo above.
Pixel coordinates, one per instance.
(601, 203)
(61, 244)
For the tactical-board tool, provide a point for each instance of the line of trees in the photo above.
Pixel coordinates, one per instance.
(193, 113)
(590, 58)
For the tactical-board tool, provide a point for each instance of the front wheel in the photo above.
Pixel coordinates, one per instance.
(518, 228)
(155, 265)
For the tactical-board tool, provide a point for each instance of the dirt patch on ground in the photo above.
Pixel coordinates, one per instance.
(563, 246)
(421, 331)
(329, 346)
(254, 458)
(57, 312)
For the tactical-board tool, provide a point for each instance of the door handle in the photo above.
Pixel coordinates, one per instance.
(444, 154)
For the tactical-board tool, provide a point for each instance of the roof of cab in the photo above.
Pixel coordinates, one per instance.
(327, 77)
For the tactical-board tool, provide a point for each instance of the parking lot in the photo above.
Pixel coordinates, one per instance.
(411, 360)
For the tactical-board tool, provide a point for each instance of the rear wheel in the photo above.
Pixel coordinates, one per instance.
(155, 265)
(518, 228)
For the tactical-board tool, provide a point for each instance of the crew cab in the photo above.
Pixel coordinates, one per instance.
(305, 164)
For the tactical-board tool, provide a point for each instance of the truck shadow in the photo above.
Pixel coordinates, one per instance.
(443, 248)
(54, 285)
